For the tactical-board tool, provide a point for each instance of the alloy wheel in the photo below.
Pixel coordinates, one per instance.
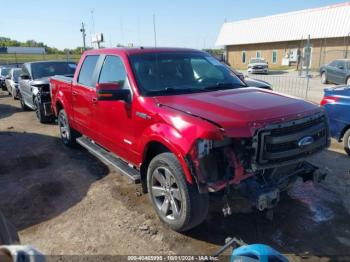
(166, 193)
(64, 127)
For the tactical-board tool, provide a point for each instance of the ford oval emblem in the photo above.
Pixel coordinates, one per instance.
(305, 141)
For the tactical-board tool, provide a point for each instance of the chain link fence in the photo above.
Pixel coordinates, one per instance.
(294, 85)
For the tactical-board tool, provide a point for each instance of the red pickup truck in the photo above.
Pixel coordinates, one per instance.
(183, 125)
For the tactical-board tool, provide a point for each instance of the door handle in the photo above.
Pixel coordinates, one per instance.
(74, 93)
(94, 100)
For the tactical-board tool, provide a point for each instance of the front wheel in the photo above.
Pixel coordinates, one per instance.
(40, 112)
(346, 140)
(178, 204)
(68, 134)
(23, 104)
(348, 81)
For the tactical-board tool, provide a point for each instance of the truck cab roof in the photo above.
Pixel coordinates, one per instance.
(139, 50)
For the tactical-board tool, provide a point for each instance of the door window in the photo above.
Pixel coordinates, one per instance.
(86, 74)
(341, 65)
(25, 71)
(113, 71)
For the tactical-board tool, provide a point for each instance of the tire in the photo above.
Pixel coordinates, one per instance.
(169, 191)
(324, 78)
(68, 134)
(348, 81)
(40, 112)
(346, 141)
(23, 105)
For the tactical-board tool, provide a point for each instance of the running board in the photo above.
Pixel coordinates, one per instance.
(109, 158)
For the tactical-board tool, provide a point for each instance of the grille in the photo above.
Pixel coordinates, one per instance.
(282, 142)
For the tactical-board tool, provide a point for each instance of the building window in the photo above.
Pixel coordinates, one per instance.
(258, 54)
(274, 56)
(244, 57)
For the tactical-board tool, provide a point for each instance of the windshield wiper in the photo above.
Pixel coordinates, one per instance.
(223, 85)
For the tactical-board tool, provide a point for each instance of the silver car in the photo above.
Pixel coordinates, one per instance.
(12, 82)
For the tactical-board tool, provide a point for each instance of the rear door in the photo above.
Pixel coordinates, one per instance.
(340, 72)
(84, 97)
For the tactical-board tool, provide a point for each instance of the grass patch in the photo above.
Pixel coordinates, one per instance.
(22, 58)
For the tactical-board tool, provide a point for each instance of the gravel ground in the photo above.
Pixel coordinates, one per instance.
(65, 201)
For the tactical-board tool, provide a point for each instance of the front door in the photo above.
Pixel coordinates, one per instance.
(115, 118)
(84, 97)
(25, 87)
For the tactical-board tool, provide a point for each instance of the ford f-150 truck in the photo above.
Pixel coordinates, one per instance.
(184, 126)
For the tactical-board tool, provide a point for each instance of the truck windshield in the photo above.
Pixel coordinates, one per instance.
(181, 73)
(46, 69)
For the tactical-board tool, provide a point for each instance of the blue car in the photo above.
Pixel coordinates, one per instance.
(336, 102)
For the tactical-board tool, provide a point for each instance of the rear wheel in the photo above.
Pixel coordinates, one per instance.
(346, 140)
(178, 204)
(324, 78)
(23, 105)
(68, 134)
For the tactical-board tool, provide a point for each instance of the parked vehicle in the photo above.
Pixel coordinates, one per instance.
(251, 82)
(4, 71)
(258, 65)
(12, 82)
(336, 102)
(179, 122)
(336, 72)
(34, 89)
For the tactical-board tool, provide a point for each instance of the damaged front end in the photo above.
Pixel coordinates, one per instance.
(262, 166)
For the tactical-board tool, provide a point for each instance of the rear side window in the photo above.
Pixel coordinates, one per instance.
(87, 70)
(333, 63)
(113, 71)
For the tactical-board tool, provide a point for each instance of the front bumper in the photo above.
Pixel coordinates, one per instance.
(267, 195)
(256, 71)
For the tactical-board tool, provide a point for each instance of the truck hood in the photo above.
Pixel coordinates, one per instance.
(41, 81)
(239, 111)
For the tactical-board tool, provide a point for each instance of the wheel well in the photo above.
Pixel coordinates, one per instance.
(153, 149)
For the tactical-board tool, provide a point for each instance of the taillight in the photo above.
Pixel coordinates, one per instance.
(329, 100)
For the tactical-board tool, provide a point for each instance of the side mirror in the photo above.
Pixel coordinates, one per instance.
(112, 92)
(24, 77)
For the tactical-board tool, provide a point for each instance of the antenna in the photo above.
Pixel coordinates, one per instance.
(155, 32)
(92, 21)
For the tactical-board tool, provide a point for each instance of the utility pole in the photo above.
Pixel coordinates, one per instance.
(82, 30)
(154, 29)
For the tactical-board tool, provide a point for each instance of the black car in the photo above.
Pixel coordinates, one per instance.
(34, 87)
(336, 72)
(251, 81)
(4, 72)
